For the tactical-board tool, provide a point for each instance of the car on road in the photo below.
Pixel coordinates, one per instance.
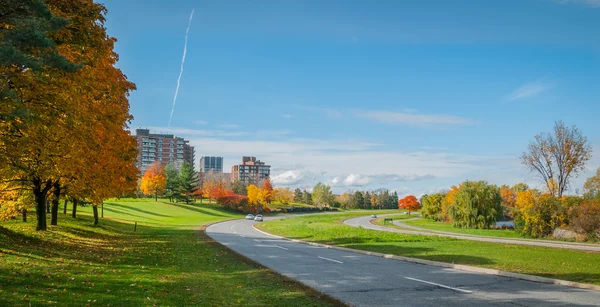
(258, 218)
(373, 216)
(249, 217)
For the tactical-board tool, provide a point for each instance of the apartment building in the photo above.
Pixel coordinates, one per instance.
(251, 171)
(214, 164)
(164, 148)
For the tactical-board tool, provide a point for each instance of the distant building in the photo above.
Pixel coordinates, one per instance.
(251, 171)
(164, 148)
(214, 164)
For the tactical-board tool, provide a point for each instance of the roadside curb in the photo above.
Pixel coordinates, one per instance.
(461, 267)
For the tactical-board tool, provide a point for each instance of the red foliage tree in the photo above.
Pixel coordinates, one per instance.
(409, 203)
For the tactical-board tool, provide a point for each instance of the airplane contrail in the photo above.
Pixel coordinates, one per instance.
(181, 71)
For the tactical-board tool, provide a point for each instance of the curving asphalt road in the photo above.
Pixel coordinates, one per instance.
(363, 280)
(365, 222)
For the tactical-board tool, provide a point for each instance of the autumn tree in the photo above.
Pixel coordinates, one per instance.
(239, 187)
(267, 190)
(154, 180)
(409, 203)
(187, 182)
(67, 111)
(476, 205)
(432, 206)
(591, 188)
(283, 195)
(254, 194)
(558, 156)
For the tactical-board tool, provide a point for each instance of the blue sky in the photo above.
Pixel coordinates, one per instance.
(414, 96)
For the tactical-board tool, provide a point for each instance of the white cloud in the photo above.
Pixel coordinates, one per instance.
(592, 3)
(357, 180)
(413, 119)
(528, 90)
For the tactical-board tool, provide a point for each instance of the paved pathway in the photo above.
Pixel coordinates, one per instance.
(365, 222)
(363, 280)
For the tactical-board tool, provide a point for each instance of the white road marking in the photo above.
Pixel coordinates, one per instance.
(442, 286)
(329, 259)
(257, 240)
(280, 247)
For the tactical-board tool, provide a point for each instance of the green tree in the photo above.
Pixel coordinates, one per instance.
(359, 200)
(322, 195)
(307, 197)
(188, 181)
(476, 205)
(367, 201)
(172, 184)
(298, 196)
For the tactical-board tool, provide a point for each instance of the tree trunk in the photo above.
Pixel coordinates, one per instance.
(74, 214)
(156, 196)
(102, 209)
(40, 190)
(24, 215)
(55, 200)
(65, 208)
(95, 208)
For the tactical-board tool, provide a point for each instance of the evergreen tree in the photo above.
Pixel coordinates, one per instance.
(298, 197)
(307, 197)
(188, 181)
(172, 185)
(367, 201)
(359, 201)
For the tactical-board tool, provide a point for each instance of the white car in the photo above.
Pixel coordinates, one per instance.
(258, 218)
(249, 217)
(373, 216)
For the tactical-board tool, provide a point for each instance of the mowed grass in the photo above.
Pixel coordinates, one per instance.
(165, 263)
(440, 226)
(548, 262)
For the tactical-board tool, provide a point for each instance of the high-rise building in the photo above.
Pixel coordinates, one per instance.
(164, 148)
(251, 171)
(214, 164)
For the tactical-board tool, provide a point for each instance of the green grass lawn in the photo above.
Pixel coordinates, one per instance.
(433, 225)
(165, 263)
(548, 262)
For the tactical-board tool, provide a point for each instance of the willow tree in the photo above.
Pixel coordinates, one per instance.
(558, 156)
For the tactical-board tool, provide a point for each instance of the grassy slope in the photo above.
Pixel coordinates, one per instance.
(164, 263)
(547, 262)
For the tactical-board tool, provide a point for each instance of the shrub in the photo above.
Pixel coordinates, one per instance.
(476, 205)
(539, 214)
(585, 219)
(233, 202)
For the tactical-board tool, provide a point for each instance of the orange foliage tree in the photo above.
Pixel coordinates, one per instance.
(409, 203)
(267, 191)
(154, 180)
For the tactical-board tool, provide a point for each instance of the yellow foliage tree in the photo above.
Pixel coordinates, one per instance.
(255, 195)
(447, 202)
(154, 180)
(283, 195)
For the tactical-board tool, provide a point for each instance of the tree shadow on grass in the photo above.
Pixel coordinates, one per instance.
(136, 209)
(197, 209)
(124, 213)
